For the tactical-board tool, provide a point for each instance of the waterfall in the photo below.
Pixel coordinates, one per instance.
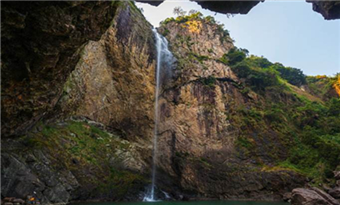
(163, 69)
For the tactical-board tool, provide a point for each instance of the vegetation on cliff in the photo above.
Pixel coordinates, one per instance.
(86, 158)
(310, 122)
(285, 120)
(232, 125)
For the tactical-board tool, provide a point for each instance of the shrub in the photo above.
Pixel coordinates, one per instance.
(293, 75)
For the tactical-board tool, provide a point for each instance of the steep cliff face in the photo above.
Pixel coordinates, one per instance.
(94, 143)
(71, 160)
(40, 47)
(199, 136)
(78, 90)
(229, 127)
(113, 82)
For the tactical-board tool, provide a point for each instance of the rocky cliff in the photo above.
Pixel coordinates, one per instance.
(77, 124)
(78, 90)
(199, 135)
(41, 45)
(233, 126)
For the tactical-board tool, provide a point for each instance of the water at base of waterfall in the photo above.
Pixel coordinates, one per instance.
(147, 199)
(190, 203)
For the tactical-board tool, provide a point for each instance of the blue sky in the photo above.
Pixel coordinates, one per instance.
(289, 32)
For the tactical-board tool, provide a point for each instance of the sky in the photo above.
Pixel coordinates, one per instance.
(289, 32)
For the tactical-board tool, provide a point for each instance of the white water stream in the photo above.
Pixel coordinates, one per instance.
(164, 59)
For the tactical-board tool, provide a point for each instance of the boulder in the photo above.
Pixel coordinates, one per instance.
(337, 183)
(312, 196)
(337, 175)
(287, 196)
(335, 192)
(20, 201)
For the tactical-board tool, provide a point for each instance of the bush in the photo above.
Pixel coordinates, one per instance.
(256, 78)
(293, 75)
(233, 57)
(209, 81)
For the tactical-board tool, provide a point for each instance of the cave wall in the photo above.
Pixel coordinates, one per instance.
(95, 140)
(40, 47)
(328, 9)
(41, 43)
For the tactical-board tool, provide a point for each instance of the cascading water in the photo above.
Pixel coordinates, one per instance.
(164, 61)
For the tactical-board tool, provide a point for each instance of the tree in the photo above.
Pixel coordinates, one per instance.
(192, 11)
(179, 11)
(293, 75)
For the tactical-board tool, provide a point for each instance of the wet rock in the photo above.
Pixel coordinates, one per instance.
(57, 194)
(17, 178)
(20, 201)
(287, 196)
(8, 199)
(313, 196)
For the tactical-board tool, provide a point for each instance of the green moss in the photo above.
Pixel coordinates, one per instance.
(120, 182)
(93, 148)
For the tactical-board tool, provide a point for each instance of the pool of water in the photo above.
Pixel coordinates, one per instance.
(190, 203)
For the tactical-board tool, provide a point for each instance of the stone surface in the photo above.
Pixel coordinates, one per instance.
(328, 9)
(337, 175)
(106, 85)
(113, 82)
(56, 173)
(313, 196)
(103, 73)
(197, 142)
(231, 7)
(335, 192)
(40, 44)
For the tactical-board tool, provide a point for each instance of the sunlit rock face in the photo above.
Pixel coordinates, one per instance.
(113, 82)
(40, 43)
(197, 134)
